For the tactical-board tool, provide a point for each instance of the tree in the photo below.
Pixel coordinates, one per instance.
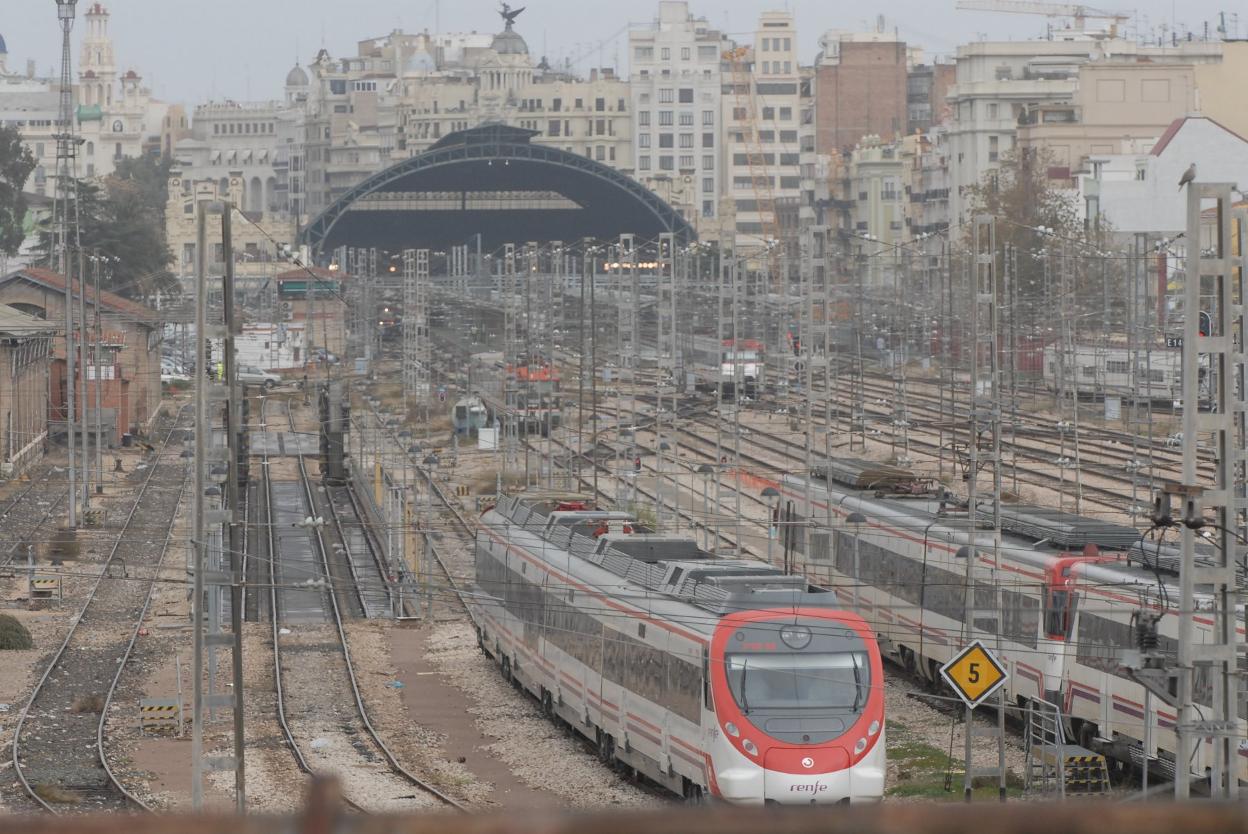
(16, 163)
(1040, 236)
(122, 219)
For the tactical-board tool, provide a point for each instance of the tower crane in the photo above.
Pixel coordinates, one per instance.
(1079, 12)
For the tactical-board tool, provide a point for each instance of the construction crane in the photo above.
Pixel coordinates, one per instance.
(1079, 12)
(738, 59)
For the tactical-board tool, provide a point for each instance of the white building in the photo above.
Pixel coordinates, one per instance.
(676, 87)
(996, 82)
(1139, 193)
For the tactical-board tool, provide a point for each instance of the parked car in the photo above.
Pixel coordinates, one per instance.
(251, 375)
(322, 356)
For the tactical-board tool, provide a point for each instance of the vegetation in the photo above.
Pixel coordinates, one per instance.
(13, 635)
(16, 163)
(122, 220)
(925, 771)
(1042, 238)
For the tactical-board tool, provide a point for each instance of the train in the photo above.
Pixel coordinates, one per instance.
(740, 368)
(469, 415)
(1120, 371)
(719, 680)
(1070, 592)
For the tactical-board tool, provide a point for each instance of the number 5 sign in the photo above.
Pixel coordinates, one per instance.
(974, 673)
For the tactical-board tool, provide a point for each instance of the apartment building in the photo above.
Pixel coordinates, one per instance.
(763, 126)
(676, 94)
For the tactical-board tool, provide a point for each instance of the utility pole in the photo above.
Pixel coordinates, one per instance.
(67, 201)
(1217, 655)
(207, 636)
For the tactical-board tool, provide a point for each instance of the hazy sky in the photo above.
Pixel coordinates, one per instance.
(193, 50)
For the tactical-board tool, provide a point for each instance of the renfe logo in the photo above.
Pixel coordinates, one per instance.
(816, 788)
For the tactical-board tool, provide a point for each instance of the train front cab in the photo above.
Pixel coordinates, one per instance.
(799, 706)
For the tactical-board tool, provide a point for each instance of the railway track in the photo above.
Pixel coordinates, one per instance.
(65, 714)
(314, 675)
(27, 517)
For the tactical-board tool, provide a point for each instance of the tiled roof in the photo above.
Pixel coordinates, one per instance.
(108, 300)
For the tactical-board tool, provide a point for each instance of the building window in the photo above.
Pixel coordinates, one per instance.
(994, 143)
(684, 53)
(686, 120)
(708, 161)
(788, 137)
(665, 95)
(686, 140)
(665, 140)
(644, 53)
(600, 153)
(708, 53)
(611, 153)
(766, 44)
(117, 151)
(786, 114)
(708, 140)
(600, 105)
(992, 110)
(738, 114)
(665, 118)
(643, 140)
(708, 208)
(643, 118)
(665, 163)
(686, 95)
(552, 127)
(686, 162)
(643, 163)
(665, 54)
(708, 185)
(769, 114)
(708, 118)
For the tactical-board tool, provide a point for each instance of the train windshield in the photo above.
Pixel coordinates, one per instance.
(829, 681)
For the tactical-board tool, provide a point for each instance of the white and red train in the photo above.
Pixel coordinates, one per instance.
(714, 678)
(1067, 607)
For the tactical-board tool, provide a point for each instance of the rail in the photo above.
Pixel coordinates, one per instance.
(126, 796)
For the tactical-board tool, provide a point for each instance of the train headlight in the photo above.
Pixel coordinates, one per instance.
(753, 751)
(732, 730)
(795, 637)
(874, 728)
(861, 745)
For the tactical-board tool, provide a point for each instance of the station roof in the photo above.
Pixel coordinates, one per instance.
(132, 310)
(493, 180)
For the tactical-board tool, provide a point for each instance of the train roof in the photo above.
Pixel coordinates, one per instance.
(670, 566)
(1034, 535)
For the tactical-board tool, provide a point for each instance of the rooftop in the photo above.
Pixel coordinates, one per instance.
(112, 301)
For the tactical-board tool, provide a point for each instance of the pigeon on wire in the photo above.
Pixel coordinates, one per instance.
(1188, 176)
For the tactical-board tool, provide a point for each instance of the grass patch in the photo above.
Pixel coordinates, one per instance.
(921, 772)
(56, 794)
(13, 635)
(88, 703)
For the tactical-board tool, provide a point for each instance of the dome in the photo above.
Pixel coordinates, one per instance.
(297, 77)
(509, 42)
(420, 61)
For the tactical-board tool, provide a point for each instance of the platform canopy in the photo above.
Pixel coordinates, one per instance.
(494, 181)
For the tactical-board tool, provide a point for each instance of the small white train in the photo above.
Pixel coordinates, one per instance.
(1098, 371)
(714, 678)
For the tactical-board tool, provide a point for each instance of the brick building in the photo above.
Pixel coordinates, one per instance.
(25, 364)
(860, 91)
(127, 369)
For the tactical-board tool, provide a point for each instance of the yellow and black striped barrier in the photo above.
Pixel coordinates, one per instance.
(160, 714)
(1086, 773)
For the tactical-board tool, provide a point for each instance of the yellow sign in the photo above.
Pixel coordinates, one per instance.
(974, 673)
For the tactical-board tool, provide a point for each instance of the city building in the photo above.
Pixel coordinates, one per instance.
(860, 88)
(998, 83)
(323, 311)
(1138, 192)
(127, 369)
(402, 93)
(25, 367)
(762, 131)
(1116, 103)
(676, 85)
(115, 114)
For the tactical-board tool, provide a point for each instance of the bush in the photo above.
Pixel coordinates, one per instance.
(14, 635)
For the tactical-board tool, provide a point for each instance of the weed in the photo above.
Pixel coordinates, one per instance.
(14, 635)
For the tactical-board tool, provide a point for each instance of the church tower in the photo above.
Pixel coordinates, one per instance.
(97, 69)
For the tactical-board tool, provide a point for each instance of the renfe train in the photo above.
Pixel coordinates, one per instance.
(1068, 592)
(714, 678)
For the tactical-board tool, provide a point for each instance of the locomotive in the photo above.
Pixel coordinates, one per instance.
(715, 678)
